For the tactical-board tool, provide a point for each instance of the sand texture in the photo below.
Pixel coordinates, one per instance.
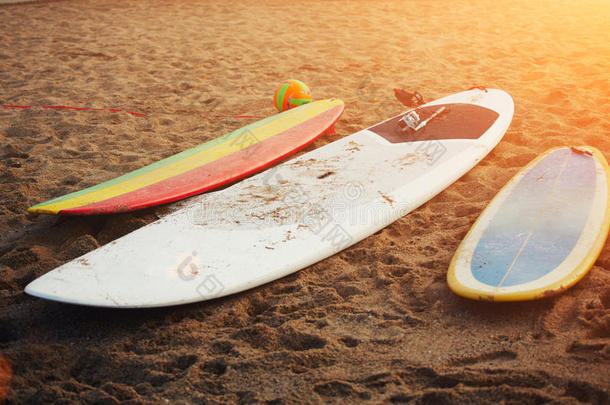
(373, 324)
(15, 1)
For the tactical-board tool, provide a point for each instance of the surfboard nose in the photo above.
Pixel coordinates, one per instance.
(58, 289)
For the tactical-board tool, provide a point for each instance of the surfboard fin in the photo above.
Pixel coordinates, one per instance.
(482, 88)
(581, 151)
(409, 99)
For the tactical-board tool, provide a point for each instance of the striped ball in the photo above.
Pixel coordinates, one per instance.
(292, 93)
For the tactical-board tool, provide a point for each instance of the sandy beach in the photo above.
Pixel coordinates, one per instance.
(15, 1)
(375, 323)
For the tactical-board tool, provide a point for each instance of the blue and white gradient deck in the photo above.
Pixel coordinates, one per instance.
(541, 233)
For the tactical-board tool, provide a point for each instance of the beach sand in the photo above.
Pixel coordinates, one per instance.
(15, 1)
(373, 324)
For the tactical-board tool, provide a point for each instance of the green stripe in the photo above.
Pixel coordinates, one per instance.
(279, 100)
(180, 156)
(299, 101)
(303, 85)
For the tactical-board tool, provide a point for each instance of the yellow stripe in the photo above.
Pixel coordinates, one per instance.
(258, 134)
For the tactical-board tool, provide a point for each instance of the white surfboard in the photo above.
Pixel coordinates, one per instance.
(291, 216)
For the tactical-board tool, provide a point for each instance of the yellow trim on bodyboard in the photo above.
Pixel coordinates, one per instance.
(563, 284)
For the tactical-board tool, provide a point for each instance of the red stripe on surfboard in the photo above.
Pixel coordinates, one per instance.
(218, 172)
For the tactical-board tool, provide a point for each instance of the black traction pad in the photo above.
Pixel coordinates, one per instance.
(458, 121)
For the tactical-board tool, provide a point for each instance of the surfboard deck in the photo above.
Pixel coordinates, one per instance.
(288, 217)
(541, 233)
(204, 167)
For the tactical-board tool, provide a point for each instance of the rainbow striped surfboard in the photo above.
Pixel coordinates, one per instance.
(204, 167)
